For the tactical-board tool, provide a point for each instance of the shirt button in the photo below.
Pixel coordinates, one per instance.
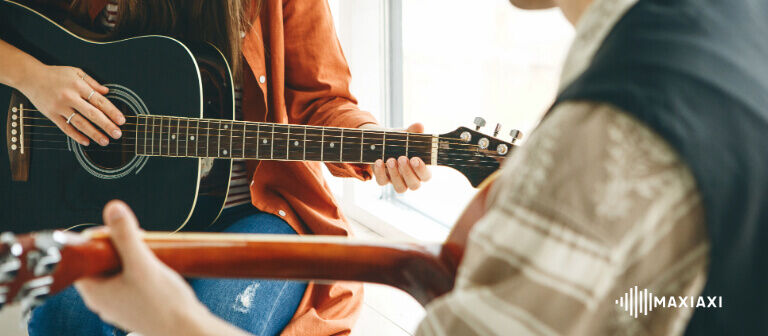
(282, 213)
(262, 79)
(242, 34)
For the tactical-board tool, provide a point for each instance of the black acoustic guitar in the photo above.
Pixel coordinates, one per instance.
(173, 163)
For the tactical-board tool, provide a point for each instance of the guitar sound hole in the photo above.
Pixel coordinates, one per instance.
(119, 152)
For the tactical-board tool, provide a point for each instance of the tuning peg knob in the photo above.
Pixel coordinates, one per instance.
(479, 122)
(496, 130)
(516, 135)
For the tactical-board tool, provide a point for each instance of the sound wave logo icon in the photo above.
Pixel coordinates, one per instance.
(640, 302)
(636, 302)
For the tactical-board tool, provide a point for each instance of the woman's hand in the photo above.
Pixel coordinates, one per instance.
(146, 297)
(68, 94)
(402, 172)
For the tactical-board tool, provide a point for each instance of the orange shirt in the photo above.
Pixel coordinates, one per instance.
(298, 75)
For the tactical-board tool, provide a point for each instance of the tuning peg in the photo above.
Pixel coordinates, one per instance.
(479, 122)
(516, 135)
(496, 130)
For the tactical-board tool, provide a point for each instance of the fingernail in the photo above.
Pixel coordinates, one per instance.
(104, 142)
(121, 120)
(391, 163)
(402, 160)
(117, 212)
(117, 134)
(85, 143)
(379, 163)
(415, 162)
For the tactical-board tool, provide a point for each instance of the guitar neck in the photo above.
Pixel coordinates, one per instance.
(228, 139)
(414, 268)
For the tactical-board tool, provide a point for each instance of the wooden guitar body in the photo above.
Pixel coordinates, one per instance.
(70, 186)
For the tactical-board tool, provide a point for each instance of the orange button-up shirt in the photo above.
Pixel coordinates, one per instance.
(298, 75)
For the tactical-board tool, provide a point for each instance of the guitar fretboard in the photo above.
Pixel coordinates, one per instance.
(211, 138)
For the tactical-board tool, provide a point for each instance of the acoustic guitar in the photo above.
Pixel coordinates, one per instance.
(37, 265)
(173, 163)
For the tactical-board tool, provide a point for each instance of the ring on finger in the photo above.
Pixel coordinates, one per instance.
(83, 76)
(69, 119)
(90, 95)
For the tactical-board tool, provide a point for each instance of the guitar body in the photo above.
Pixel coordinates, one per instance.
(152, 75)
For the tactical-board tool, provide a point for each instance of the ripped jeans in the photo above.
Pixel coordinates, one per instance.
(261, 307)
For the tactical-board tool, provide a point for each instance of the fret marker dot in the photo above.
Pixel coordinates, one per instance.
(333, 144)
(224, 152)
(173, 136)
(373, 147)
(226, 126)
(264, 141)
(296, 143)
(192, 137)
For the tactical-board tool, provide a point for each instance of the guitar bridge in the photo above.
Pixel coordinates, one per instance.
(16, 139)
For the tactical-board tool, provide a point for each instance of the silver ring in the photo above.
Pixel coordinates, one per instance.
(90, 95)
(83, 76)
(70, 117)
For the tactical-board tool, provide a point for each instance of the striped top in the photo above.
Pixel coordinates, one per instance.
(239, 192)
(593, 211)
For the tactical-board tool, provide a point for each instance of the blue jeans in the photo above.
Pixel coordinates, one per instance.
(261, 307)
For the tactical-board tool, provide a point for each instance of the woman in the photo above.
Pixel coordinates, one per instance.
(290, 70)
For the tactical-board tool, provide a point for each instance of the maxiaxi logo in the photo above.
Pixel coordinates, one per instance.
(640, 302)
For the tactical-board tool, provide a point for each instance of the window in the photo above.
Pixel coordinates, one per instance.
(442, 63)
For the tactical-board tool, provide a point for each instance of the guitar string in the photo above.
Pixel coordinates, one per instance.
(235, 133)
(233, 136)
(166, 150)
(473, 163)
(239, 122)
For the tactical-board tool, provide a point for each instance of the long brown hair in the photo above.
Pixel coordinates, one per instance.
(216, 21)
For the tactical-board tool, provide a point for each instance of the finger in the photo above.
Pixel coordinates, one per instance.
(86, 128)
(415, 128)
(70, 130)
(380, 172)
(126, 236)
(103, 104)
(95, 85)
(394, 176)
(410, 178)
(99, 118)
(421, 169)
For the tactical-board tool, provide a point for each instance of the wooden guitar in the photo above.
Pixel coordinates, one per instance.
(173, 163)
(35, 266)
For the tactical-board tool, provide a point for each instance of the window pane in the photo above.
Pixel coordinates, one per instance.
(463, 59)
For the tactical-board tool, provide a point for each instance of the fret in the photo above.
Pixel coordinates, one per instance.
(313, 143)
(304, 157)
(341, 146)
(195, 138)
(396, 142)
(280, 139)
(272, 143)
(138, 133)
(362, 142)
(264, 147)
(222, 147)
(160, 141)
(373, 146)
(231, 134)
(322, 143)
(296, 143)
(332, 145)
(245, 137)
(205, 127)
(186, 140)
(384, 146)
(170, 120)
(177, 135)
(152, 144)
(288, 143)
(407, 140)
(349, 149)
(420, 145)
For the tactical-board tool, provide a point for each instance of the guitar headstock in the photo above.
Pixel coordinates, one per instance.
(30, 266)
(474, 154)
